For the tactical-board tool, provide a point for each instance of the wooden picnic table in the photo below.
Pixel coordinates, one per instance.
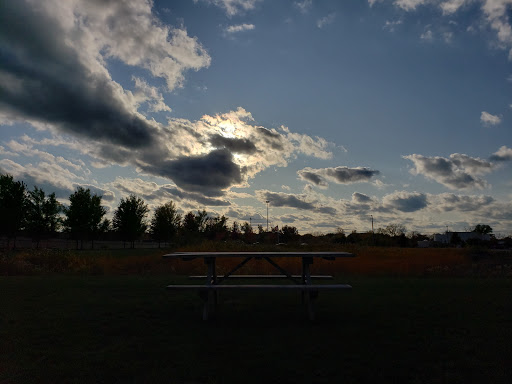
(213, 282)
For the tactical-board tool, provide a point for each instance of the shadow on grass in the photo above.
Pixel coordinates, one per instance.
(119, 329)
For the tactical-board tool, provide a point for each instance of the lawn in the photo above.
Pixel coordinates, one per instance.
(69, 328)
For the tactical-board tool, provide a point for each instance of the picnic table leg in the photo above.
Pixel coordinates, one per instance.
(307, 296)
(210, 296)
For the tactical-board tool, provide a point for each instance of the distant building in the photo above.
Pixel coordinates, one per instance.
(446, 238)
(423, 243)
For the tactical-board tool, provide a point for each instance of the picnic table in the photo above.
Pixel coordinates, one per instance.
(213, 283)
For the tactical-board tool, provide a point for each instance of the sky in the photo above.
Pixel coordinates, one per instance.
(335, 112)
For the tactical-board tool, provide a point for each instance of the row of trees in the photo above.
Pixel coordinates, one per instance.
(42, 216)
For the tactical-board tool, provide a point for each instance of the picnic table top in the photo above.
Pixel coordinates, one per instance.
(258, 254)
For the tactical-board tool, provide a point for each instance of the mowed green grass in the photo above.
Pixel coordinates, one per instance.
(129, 329)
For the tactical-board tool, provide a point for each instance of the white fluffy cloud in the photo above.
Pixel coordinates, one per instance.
(487, 119)
(502, 154)
(326, 20)
(234, 7)
(304, 6)
(239, 28)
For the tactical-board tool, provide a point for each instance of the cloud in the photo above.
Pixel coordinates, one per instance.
(503, 154)
(27, 149)
(281, 199)
(233, 144)
(53, 66)
(208, 174)
(361, 198)
(303, 6)
(106, 195)
(159, 194)
(457, 172)
(146, 93)
(409, 5)
(309, 175)
(234, 7)
(391, 25)
(405, 201)
(495, 15)
(48, 176)
(54, 74)
(329, 19)
(340, 175)
(448, 202)
(451, 6)
(239, 28)
(427, 35)
(488, 119)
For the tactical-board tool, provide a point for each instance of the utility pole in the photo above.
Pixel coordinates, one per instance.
(267, 212)
(373, 234)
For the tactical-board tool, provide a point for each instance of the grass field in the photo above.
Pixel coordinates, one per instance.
(122, 326)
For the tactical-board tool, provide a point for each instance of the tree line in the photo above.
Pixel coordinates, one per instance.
(41, 216)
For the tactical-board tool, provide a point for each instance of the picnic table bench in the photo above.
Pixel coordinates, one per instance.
(214, 282)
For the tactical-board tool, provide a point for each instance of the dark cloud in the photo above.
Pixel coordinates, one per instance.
(200, 198)
(153, 191)
(274, 139)
(361, 198)
(279, 199)
(327, 210)
(457, 172)
(344, 175)
(312, 177)
(288, 219)
(448, 202)
(406, 201)
(208, 174)
(233, 144)
(340, 175)
(43, 79)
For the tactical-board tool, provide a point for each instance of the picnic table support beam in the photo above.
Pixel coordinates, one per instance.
(234, 269)
(283, 271)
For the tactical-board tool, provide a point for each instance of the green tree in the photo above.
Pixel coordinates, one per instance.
(13, 207)
(247, 229)
(84, 216)
(130, 219)
(165, 223)
(235, 230)
(289, 233)
(483, 229)
(42, 214)
(393, 230)
(189, 223)
(216, 228)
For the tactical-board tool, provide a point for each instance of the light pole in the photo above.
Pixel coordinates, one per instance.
(267, 212)
(373, 234)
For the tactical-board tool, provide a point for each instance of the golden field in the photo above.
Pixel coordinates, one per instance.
(369, 261)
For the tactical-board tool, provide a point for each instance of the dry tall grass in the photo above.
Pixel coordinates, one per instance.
(369, 261)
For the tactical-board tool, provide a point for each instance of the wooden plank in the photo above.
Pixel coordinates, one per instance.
(235, 287)
(263, 276)
(191, 255)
